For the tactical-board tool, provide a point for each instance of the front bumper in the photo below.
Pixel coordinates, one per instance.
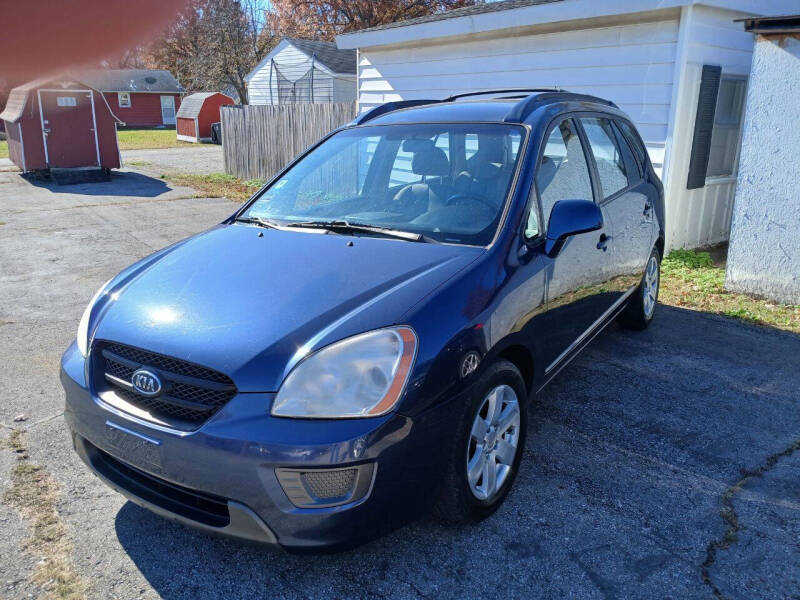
(227, 468)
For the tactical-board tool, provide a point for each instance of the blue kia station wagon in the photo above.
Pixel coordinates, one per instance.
(358, 343)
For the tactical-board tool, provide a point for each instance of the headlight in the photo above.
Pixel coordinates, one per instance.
(83, 325)
(362, 376)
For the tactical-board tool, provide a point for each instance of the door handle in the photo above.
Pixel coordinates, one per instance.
(601, 244)
(647, 208)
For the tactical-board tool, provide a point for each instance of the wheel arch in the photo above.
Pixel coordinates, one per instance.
(519, 355)
(660, 245)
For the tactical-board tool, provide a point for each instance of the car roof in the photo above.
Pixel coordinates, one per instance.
(502, 106)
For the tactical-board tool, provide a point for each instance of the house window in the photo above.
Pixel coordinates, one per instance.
(124, 99)
(727, 127)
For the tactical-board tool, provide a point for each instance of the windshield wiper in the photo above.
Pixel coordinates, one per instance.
(259, 221)
(342, 226)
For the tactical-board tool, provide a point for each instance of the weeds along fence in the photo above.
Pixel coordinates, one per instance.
(258, 141)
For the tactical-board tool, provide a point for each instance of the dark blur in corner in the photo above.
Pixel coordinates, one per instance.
(45, 37)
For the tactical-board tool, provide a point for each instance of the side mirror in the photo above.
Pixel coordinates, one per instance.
(568, 218)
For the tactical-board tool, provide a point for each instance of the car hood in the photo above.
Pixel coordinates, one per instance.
(251, 302)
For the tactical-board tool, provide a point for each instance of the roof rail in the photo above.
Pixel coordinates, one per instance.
(525, 91)
(533, 98)
(526, 106)
(388, 107)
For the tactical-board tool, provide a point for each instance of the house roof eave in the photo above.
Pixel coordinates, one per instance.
(534, 13)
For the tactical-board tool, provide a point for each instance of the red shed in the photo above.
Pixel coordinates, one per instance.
(197, 113)
(60, 123)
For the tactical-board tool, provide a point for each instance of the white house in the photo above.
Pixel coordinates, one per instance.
(764, 255)
(303, 71)
(667, 63)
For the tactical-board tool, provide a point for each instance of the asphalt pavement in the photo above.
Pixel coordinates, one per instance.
(659, 464)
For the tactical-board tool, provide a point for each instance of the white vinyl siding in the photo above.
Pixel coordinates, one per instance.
(701, 217)
(633, 65)
(293, 65)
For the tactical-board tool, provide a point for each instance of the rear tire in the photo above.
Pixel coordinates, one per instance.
(484, 457)
(642, 306)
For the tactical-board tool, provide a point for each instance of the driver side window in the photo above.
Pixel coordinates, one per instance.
(562, 174)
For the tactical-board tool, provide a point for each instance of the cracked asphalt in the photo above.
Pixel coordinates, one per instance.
(630, 451)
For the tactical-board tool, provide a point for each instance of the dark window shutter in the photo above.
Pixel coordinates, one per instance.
(703, 126)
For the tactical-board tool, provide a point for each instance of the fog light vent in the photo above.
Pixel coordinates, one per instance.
(329, 484)
(319, 488)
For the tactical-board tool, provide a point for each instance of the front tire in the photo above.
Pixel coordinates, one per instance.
(484, 458)
(642, 306)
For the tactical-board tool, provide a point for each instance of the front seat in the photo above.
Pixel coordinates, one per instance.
(484, 184)
(417, 198)
(487, 170)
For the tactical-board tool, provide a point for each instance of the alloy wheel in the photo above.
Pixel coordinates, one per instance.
(493, 442)
(650, 287)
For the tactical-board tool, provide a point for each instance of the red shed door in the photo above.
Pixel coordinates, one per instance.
(69, 128)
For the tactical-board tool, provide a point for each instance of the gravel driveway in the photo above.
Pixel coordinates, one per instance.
(200, 159)
(636, 452)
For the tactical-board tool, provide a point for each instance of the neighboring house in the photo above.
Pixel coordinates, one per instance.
(300, 71)
(648, 56)
(764, 253)
(139, 97)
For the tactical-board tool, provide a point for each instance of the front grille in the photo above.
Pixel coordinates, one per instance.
(191, 394)
(186, 502)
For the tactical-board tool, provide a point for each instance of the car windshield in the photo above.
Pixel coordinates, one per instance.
(444, 182)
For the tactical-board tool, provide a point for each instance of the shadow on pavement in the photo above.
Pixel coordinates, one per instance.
(123, 183)
(630, 453)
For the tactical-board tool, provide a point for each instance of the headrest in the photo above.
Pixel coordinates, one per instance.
(489, 170)
(417, 144)
(491, 147)
(431, 162)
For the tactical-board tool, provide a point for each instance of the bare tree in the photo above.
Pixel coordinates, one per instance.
(214, 44)
(234, 42)
(324, 19)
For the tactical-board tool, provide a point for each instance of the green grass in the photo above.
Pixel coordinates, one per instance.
(217, 185)
(140, 139)
(3, 149)
(691, 280)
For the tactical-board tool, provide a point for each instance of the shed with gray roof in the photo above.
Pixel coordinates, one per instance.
(303, 71)
(197, 113)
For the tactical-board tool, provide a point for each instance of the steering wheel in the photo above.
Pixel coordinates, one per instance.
(467, 196)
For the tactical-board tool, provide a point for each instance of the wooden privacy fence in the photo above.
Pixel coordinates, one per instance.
(258, 141)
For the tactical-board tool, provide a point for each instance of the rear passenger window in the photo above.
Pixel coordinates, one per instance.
(401, 169)
(471, 144)
(633, 139)
(631, 166)
(611, 168)
(562, 174)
